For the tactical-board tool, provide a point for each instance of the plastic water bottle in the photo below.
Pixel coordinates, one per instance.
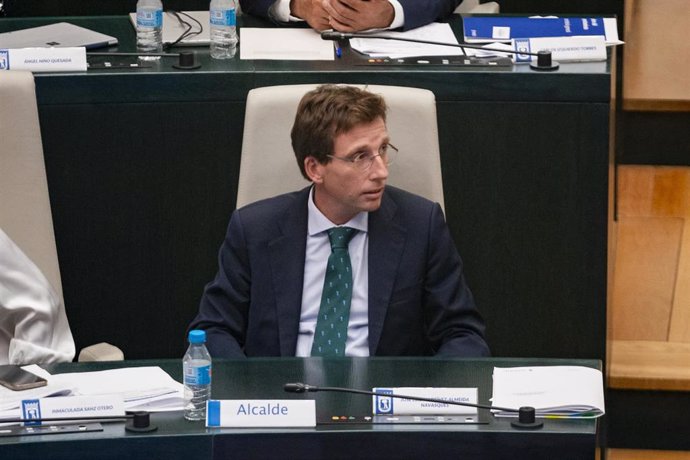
(149, 28)
(223, 29)
(196, 366)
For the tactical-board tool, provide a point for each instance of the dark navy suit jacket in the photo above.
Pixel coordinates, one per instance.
(419, 303)
(417, 12)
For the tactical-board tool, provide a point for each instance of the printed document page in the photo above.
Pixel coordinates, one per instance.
(554, 391)
(284, 44)
(142, 388)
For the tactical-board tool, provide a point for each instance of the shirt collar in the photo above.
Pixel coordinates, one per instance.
(319, 223)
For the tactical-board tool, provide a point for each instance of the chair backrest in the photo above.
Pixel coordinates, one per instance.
(268, 166)
(25, 213)
(474, 7)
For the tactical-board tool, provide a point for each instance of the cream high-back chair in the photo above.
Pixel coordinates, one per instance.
(268, 166)
(25, 214)
(24, 204)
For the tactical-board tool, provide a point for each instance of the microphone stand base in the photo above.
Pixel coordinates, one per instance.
(527, 426)
(543, 68)
(140, 422)
(133, 429)
(527, 419)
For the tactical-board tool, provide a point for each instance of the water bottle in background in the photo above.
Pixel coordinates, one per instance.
(149, 28)
(196, 366)
(223, 23)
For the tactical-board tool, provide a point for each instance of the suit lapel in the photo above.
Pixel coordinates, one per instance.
(386, 242)
(287, 270)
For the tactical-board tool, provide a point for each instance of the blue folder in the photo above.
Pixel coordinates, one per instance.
(497, 28)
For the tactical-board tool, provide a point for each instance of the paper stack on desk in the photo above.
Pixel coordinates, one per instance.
(284, 44)
(554, 391)
(142, 388)
(394, 49)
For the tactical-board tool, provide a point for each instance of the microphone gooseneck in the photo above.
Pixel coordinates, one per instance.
(526, 414)
(292, 388)
(544, 59)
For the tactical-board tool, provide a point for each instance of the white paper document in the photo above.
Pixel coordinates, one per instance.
(394, 49)
(142, 388)
(10, 400)
(554, 391)
(284, 44)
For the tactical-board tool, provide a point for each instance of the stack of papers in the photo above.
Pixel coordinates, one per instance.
(284, 44)
(142, 388)
(554, 391)
(394, 49)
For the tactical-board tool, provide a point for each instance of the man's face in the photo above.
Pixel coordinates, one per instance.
(341, 189)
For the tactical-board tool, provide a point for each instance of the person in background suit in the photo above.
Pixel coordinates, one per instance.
(33, 323)
(409, 295)
(353, 15)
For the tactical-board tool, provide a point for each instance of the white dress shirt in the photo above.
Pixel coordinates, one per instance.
(317, 253)
(280, 11)
(33, 323)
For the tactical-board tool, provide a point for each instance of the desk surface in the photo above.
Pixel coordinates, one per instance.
(264, 379)
(230, 79)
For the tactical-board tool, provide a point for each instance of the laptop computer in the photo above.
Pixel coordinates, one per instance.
(175, 24)
(61, 34)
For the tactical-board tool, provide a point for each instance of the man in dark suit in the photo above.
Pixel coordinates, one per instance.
(353, 15)
(408, 293)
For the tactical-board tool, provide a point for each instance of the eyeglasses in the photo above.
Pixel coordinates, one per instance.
(362, 161)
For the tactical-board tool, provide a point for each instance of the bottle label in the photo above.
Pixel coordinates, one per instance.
(197, 375)
(223, 18)
(150, 18)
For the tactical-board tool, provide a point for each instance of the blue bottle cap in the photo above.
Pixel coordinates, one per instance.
(197, 336)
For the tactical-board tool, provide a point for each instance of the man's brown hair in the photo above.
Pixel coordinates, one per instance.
(328, 111)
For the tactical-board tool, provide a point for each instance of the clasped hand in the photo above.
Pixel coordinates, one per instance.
(344, 15)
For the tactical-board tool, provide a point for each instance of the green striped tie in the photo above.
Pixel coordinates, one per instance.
(334, 313)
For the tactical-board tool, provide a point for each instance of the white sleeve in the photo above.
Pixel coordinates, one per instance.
(399, 19)
(280, 11)
(33, 322)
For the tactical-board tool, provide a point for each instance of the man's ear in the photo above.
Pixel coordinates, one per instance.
(314, 169)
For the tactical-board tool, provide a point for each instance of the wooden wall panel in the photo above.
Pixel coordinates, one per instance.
(656, 68)
(679, 329)
(644, 278)
(652, 262)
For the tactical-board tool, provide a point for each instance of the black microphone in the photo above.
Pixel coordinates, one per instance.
(526, 415)
(333, 35)
(544, 60)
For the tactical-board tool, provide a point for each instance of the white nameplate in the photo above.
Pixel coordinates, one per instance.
(249, 413)
(385, 405)
(72, 407)
(563, 49)
(44, 59)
